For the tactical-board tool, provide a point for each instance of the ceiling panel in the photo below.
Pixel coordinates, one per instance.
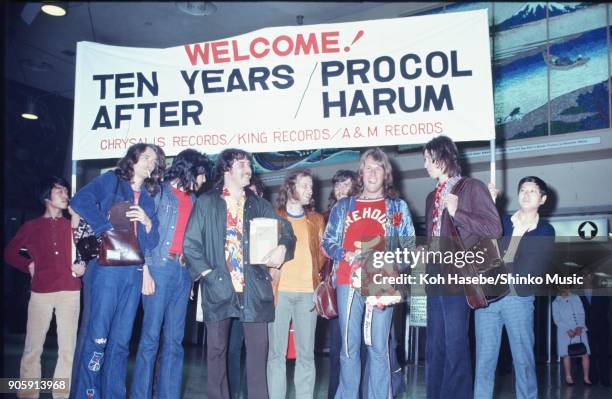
(50, 40)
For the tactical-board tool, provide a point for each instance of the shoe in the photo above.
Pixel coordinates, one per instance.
(568, 383)
(588, 384)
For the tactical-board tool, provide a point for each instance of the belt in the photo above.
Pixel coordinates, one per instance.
(178, 257)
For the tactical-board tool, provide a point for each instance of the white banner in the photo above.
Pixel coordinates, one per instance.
(369, 83)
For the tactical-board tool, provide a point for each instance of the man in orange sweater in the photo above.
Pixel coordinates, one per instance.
(293, 287)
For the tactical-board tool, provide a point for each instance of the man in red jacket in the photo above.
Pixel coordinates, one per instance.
(55, 289)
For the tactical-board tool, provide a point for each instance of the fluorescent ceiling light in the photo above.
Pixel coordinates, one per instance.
(54, 8)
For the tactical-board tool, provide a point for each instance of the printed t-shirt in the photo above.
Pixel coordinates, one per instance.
(364, 225)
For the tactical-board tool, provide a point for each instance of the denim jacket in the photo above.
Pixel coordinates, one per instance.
(166, 206)
(94, 200)
(399, 233)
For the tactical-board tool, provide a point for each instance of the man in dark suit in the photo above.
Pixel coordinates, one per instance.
(598, 329)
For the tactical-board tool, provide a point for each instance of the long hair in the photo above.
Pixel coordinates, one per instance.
(225, 160)
(444, 152)
(287, 189)
(125, 166)
(47, 184)
(186, 167)
(256, 183)
(381, 159)
(340, 177)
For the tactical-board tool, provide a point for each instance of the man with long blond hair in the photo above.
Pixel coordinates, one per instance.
(373, 220)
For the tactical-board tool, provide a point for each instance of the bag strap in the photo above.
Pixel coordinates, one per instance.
(116, 189)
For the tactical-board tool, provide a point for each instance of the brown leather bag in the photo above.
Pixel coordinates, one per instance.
(325, 294)
(325, 299)
(119, 246)
(478, 296)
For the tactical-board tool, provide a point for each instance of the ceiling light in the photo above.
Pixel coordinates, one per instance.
(198, 8)
(30, 111)
(54, 8)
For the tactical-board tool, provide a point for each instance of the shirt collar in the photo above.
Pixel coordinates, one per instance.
(524, 227)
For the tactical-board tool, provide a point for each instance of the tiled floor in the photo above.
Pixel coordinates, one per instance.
(194, 375)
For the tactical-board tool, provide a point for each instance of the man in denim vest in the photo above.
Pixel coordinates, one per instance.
(166, 282)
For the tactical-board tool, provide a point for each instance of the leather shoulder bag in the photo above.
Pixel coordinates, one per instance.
(119, 245)
(477, 295)
(325, 296)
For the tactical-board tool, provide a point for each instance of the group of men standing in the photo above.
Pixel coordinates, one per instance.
(266, 296)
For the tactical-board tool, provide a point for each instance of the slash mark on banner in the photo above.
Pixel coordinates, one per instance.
(335, 134)
(305, 90)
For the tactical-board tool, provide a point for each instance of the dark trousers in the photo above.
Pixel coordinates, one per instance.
(234, 354)
(448, 366)
(256, 341)
(600, 360)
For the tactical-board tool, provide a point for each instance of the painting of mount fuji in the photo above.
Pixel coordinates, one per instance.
(532, 12)
(569, 71)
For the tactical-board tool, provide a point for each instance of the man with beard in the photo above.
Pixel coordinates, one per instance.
(216, 247)
(294, 287)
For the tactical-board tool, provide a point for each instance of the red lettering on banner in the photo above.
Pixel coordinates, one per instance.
(199, 140)
(265, 42)
(329, 40)
(197, 53)
(284, 45)
(414, 129)
(307, 46)
(124, 143)
(237, 56)
(220, 52)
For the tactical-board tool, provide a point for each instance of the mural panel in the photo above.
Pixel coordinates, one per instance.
(578, 63)
(519, 72)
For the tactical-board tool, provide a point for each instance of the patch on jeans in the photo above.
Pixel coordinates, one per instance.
(94, 363)
(90, 393)
(100, 341)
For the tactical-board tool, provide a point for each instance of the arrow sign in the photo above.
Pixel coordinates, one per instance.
(587, 230)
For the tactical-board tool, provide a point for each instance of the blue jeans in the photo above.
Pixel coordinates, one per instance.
(448, 366)
(167, 307)
(516, 313)
(379, 375)
(115, 294)
(83, 324)
(335, 345)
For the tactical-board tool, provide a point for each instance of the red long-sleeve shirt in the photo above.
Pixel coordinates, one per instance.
(48, 243)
